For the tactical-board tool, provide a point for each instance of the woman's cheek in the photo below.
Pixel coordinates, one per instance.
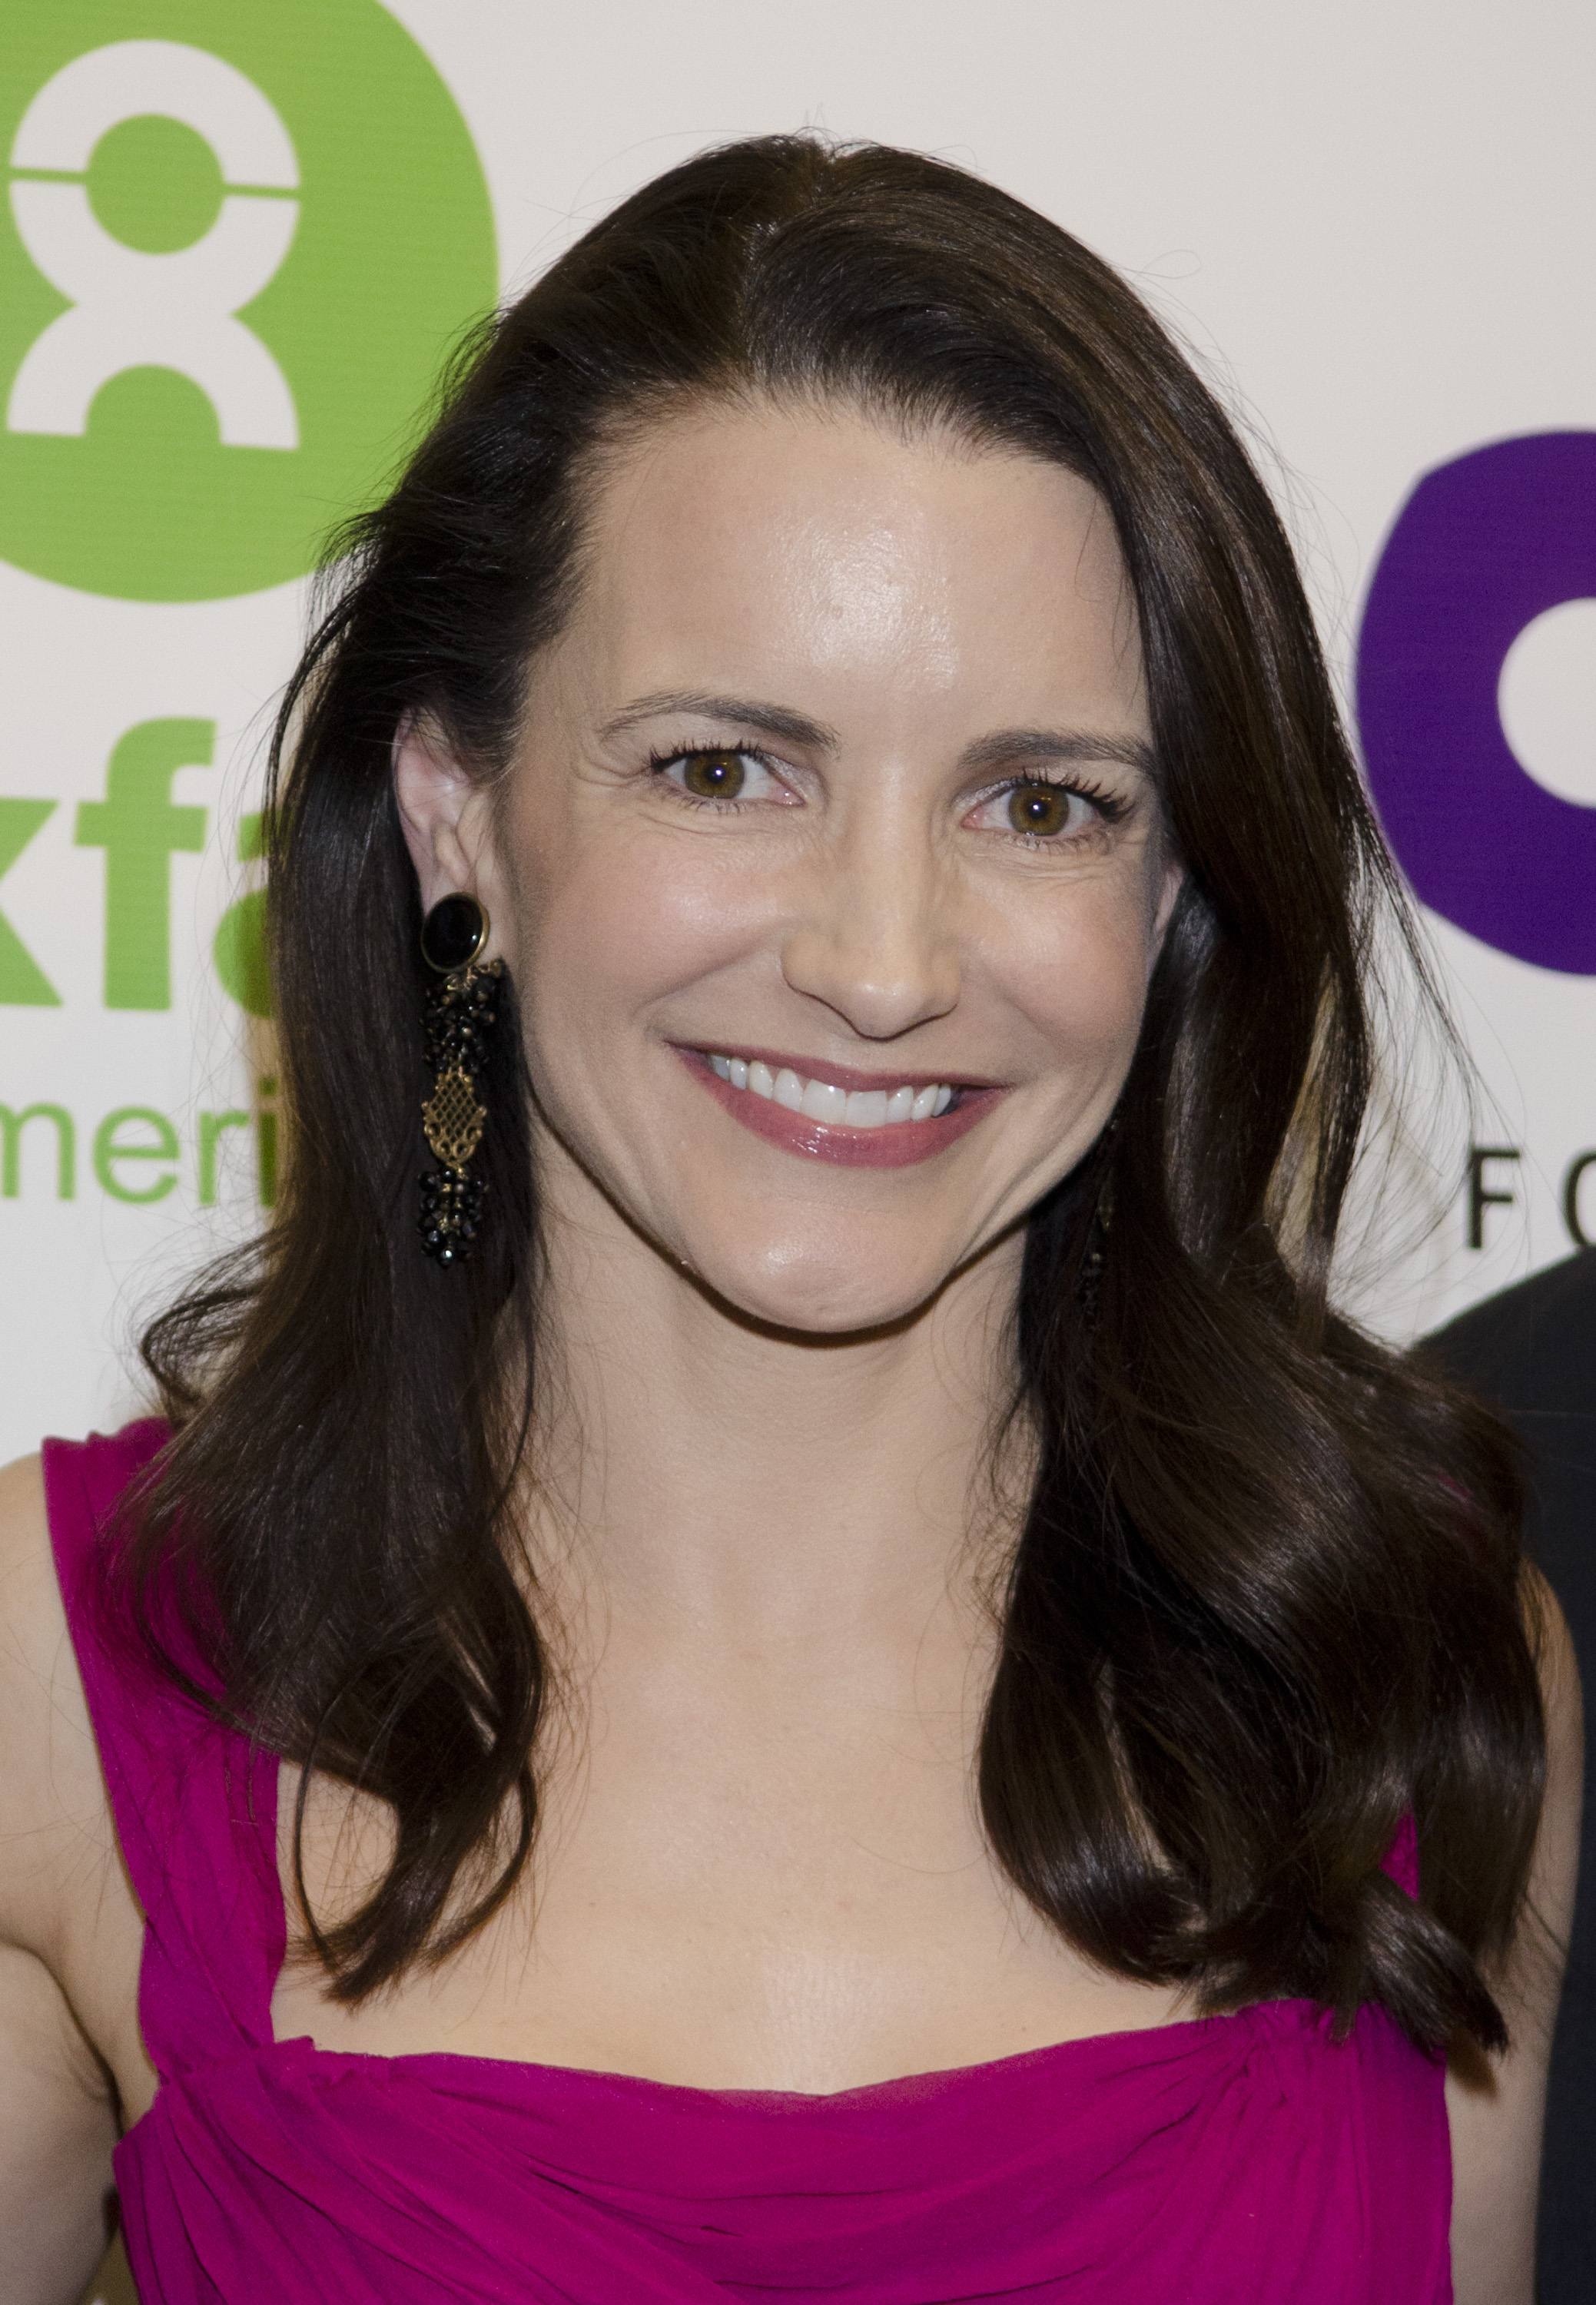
(622, 923)
(1080, 977)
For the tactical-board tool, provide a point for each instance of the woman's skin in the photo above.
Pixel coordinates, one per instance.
(763, 1535)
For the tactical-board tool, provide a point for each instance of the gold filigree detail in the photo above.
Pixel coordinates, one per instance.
(452, 1119)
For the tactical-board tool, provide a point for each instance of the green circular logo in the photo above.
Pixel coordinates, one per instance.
(240, 237)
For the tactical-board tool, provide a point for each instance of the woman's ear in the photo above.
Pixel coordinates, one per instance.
(442, 808)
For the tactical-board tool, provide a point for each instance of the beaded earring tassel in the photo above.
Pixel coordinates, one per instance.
(460, 1012)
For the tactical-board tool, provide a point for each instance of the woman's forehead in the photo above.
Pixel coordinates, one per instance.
(834, 462)
(823, 536)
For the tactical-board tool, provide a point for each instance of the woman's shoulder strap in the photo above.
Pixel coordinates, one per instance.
(84, 1483)
(1401, 1860)
(193, 1801)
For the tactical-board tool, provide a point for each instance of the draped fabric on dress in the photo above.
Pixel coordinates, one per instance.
(1246, 2158)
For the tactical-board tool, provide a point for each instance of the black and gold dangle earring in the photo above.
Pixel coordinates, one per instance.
(461, 1010)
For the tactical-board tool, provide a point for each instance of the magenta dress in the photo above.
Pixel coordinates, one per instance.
(1246, 2158)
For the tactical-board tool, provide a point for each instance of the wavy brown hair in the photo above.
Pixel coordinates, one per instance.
(1266, 1601)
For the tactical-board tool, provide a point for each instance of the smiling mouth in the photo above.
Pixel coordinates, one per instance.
(861, 1119)
(828, 1101)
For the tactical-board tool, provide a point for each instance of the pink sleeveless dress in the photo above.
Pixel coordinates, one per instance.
(1247, 2158)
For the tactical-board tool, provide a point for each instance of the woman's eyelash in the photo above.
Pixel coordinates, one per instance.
(661, 763)
(673, 759)
(1111, 806)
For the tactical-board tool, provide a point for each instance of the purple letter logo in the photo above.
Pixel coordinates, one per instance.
(1481, 548)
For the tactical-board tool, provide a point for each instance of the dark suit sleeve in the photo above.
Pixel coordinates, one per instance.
(1532, 1353)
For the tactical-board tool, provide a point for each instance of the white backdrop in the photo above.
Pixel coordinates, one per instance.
(1376, 226)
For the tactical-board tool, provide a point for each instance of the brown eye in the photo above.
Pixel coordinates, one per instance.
(1041, 809)
(713, 776)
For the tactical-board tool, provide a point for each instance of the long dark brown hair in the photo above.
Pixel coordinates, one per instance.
(1265, 1605)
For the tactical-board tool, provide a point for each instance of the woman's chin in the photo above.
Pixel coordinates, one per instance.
(829, 1296)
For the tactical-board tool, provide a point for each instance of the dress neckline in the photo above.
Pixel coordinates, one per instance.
(925, 2081)
(931, 2080)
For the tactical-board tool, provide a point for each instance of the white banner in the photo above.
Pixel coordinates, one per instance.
(240, 235)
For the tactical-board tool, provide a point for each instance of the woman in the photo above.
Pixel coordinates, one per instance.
(848, 1683)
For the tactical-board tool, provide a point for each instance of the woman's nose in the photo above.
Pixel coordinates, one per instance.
(875, 943)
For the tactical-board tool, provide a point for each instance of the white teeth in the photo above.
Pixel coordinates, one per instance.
(821, 1102)
(818, 1100)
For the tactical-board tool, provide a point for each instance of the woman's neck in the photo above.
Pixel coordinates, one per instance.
(706, 1470)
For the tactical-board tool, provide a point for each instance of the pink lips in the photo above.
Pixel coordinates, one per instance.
(899, 1146)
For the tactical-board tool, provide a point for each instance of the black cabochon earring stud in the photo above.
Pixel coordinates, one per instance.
(454, 933)
(459, 1013)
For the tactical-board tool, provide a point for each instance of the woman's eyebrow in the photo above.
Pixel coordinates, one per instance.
(1046, 745)
(1002, 750)
(742, 711)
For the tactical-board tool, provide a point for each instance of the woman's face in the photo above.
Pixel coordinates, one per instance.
(829, 869)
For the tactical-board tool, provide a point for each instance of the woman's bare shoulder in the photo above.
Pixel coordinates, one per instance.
(59, 1929)
(53, 1813)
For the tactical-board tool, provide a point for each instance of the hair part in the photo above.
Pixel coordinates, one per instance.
(1264, 1605)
